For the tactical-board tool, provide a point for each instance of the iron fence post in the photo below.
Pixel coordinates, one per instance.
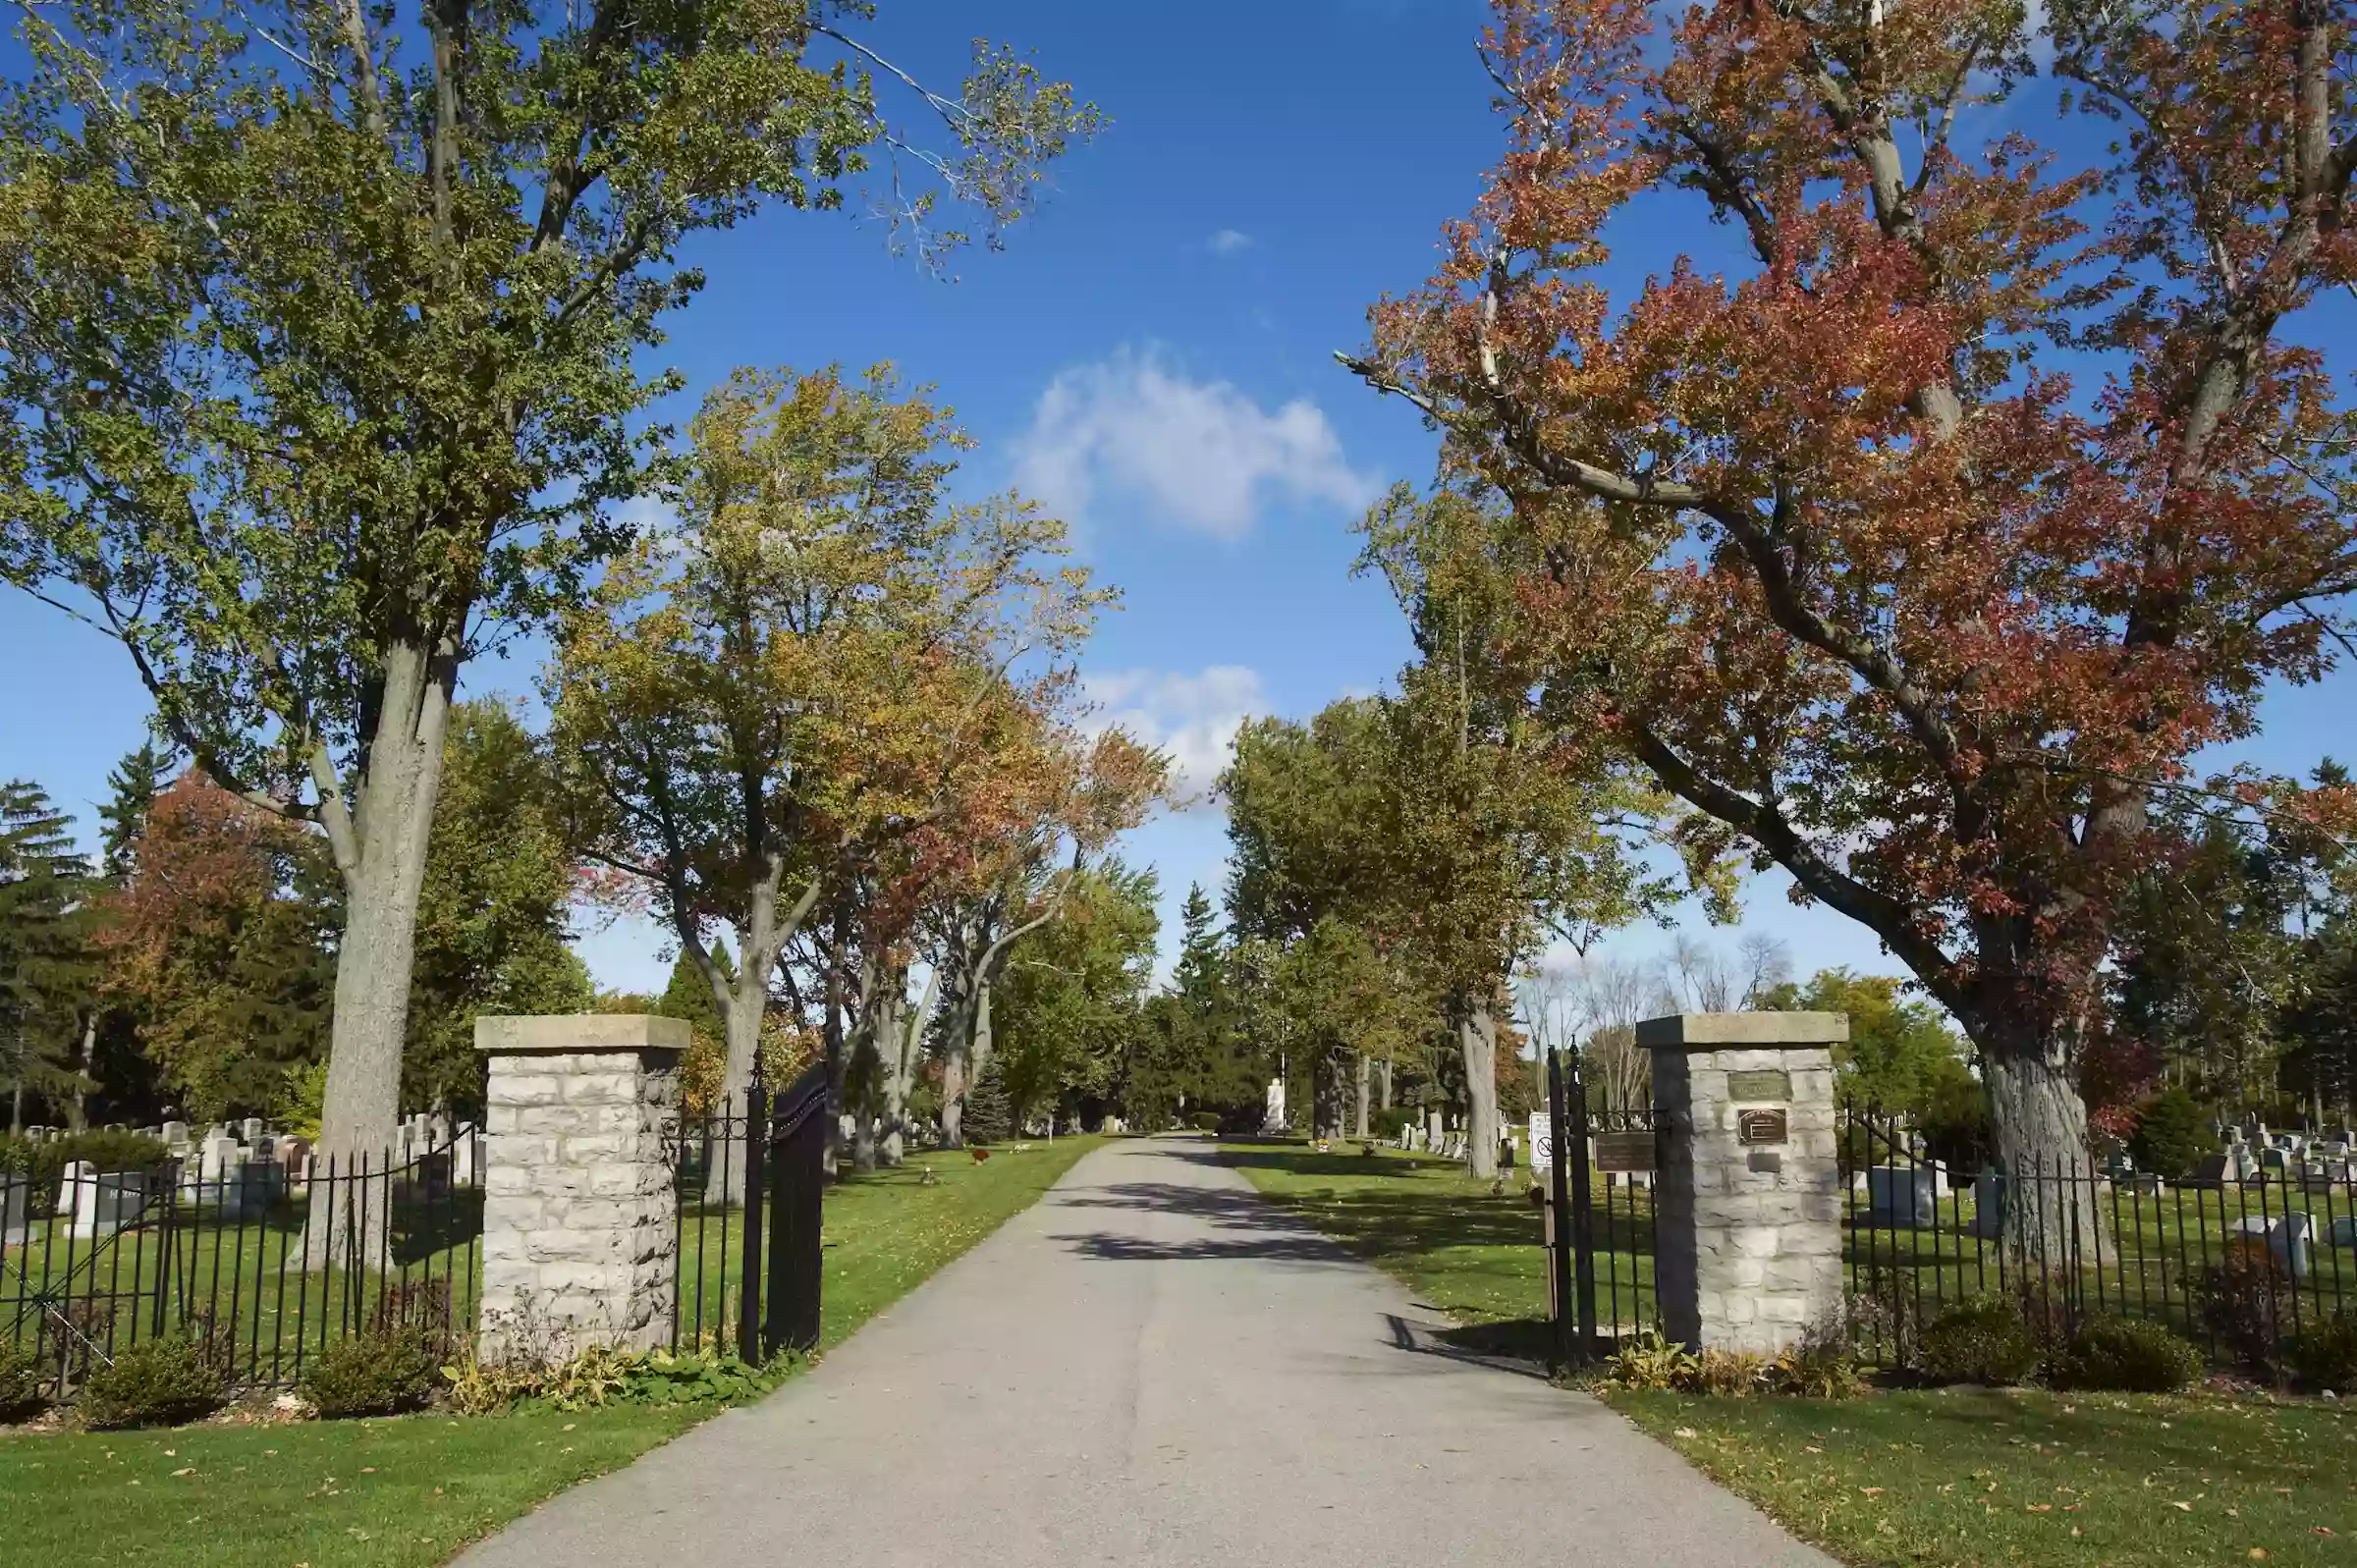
(756, 1150)
(1560, 1255)
(1583, 1219)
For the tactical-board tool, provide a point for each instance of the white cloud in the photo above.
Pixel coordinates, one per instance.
(1203, 454)
(1194, 718)
(1229, 242)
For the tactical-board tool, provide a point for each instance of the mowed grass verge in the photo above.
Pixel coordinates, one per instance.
(409, 1492)
(1975, 1477)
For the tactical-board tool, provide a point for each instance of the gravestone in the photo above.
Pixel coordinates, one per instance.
(1748, 1196)
(76, 1174)
(15, 1192)
(1899, 1196)
(1272, 1115)
(2286, 1237)
(110, 1200)
(1988, 1205)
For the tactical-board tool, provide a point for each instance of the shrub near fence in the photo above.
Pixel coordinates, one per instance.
(121, 1259)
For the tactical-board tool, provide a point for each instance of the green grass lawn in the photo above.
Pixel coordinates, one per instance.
(409, 1492)
(1973, 1479)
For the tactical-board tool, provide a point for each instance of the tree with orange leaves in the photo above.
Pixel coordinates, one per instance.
(1924, 529)
(1020, 877)
(817, 661)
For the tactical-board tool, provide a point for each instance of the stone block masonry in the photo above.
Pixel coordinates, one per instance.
(1747, 1212)
(581, 1236)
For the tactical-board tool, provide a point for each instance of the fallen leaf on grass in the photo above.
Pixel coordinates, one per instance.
(1683, 1431)
(1872, 1492)
(186, 1470)
(2182, 1507)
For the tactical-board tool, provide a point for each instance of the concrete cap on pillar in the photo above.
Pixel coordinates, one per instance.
(582, 1032)
(1707, 1031)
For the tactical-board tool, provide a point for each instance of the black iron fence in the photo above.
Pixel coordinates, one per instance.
(267, 1266)
(2240, 1256)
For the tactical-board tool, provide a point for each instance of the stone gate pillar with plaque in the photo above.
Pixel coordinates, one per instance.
(1747, 1202)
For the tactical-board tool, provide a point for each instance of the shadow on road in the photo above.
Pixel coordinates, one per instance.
(1249, 1225)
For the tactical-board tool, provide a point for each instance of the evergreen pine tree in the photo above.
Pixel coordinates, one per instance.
(44, 960)
(136, 781)
(989, 1115)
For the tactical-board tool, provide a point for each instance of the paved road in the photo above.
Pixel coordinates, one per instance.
(1153, 1369)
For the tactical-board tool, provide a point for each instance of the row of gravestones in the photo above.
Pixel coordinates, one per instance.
(1908, 1196)
(234, 1173)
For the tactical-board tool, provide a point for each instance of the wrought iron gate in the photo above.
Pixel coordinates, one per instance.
(1617, 1143)
(785, 1185)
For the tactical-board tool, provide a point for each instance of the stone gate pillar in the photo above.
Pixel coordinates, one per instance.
(580, 1238)
(1747, 1210)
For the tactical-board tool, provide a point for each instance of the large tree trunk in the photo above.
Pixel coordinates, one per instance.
(1326, 1096)
(1477, 1038)
(747, 1009)
(905, 1040)
(1366, 1089)
(16, 1109)
(379, 844)
(2039, 1124)
(979, 1055)
(1385, 1068)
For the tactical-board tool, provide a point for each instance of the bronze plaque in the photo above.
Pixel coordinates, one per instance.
(1765, 1082)
(1623, 1151)
(1760, 1126)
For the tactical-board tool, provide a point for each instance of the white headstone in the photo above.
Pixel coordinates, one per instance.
(78, 1174)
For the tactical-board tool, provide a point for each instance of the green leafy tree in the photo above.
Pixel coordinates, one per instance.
(491, 920)
(2172, 1134)
(44, 949)
(1067, 1006)
(1434, 823)
(220, 946)
(132, 788)
(989, 1111)
(322, 354)
(1901, 1056)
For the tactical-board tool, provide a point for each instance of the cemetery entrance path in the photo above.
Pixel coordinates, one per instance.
(1153, 1367)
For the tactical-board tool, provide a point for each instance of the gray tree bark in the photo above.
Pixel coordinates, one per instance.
(379, 842)
(2039, 1126)
(1365, 1087)
(1477, 1039)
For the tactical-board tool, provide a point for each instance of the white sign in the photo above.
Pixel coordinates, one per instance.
(1542, 1142)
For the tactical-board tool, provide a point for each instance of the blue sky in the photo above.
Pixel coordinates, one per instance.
(1151, 354)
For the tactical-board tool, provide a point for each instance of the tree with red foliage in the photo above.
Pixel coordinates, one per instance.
(1923, 532)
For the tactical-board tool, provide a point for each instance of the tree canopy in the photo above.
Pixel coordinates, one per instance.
(322, 354)
(1921, 526)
